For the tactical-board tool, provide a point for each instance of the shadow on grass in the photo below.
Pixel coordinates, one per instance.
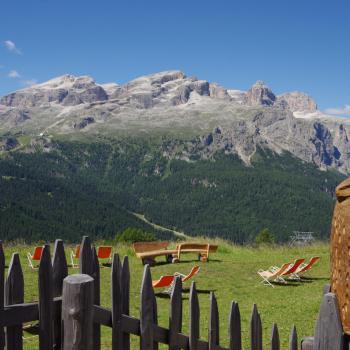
(288, 284)
(199, 291)
(160, 263)
(164, 295)
(305, 279)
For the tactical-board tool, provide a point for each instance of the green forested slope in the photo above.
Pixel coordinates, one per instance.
(88, 188)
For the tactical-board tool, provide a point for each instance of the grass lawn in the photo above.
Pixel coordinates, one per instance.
(232, 274)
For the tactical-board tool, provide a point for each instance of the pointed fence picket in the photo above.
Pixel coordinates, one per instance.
(68, 310)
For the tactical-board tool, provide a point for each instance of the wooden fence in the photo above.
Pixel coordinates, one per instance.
(69, 314)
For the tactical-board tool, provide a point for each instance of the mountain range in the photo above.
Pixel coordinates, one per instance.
(78, 157)
(208, 115)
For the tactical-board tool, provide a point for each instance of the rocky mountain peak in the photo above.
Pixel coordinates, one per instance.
(299, 102)
(67, 90)
(260, 95)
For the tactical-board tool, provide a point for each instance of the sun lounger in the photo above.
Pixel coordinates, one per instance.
(269, 276)
(35, 257)
(305, 267)
(105, 253)
(163, 281)
(168, 281)
(75, 255)
(292, 268)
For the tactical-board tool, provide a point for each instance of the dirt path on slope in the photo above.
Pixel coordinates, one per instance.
(158, 227)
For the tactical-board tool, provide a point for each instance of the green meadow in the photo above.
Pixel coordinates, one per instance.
(231, 274)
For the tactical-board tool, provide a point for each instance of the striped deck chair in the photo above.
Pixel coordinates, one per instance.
(269, 276)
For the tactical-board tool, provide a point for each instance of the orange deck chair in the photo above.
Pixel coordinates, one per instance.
(35, 257)
(105, 253)
(75, 254)
(305, 267)
(168, 281)
(163, 281)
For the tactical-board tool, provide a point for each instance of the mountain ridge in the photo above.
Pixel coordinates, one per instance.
(209, 116)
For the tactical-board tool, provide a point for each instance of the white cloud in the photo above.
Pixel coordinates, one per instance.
(345, 110)
(11, 46)
(29, 82)
(14, 74)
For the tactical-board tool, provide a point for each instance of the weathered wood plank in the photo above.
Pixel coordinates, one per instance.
(59, 268)
(147, 312)
(175, 314)
(85, 260)
(235, 327)
(116, 304)
(307, 343)
(2, 288)
(59, 273)
(14, 294)
(77, 312)
(275, 338)
(21, 313)
(125, 298)
(326, 288)
(255, 330)
(45, 301)
(329, 331)
(213, 332)
(293, 339)
(194, 314)
(96, 276)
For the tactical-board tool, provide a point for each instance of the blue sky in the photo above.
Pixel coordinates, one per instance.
(291, 45)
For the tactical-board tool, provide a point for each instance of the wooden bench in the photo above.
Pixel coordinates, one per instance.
(202, 249)
(148, 251)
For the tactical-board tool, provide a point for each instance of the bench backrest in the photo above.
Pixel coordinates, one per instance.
(141, 247)
(198, 246)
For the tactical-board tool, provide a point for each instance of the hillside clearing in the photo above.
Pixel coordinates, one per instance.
(231, 274)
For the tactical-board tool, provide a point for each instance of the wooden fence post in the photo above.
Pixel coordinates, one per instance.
(148, 312)
(96, 276)
(255, 330)
(85, 260)
(77, 312)
(175, 314)
(194, 318)
(45, 301)
(213, 336)
(293, 339)
(116, 304)
(2, 288)
(125, 297)
(307, 343)
(235, 327)
(275, 338)
(329, 330)
(14, 294)
(59, 273)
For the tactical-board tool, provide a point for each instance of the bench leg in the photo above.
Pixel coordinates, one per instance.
(203, 258)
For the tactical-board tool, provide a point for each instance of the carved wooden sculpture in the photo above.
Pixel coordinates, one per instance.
(340, 252)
